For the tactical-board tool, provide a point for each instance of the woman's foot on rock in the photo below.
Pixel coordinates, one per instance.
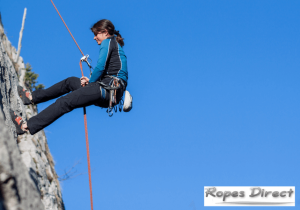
(25, 95)
(20, 124)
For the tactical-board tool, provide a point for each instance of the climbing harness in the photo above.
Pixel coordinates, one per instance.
(115, 85)
(84, 109)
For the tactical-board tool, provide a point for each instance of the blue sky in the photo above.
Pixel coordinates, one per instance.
(216, 97)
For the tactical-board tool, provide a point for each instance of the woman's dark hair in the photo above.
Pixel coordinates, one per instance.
(103, 24)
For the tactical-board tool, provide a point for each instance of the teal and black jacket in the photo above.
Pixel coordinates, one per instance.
(112, 61)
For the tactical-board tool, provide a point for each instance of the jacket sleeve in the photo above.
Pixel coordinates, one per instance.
(101, 63)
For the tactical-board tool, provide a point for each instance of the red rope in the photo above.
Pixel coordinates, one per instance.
(67, 27)
(84, 115)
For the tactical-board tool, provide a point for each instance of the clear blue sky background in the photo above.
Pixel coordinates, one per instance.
(216, 97)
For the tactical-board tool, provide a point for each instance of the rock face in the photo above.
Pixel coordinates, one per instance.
(17, 189)
(27, 176)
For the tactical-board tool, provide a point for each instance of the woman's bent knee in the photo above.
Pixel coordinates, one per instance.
(73, 79)
(73, 83)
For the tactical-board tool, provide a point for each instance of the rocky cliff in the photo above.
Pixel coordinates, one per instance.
(27, 176)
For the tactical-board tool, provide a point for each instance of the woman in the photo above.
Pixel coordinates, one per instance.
(111, 68)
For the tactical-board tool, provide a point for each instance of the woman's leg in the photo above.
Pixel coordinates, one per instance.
(81, 97)
(59, 89)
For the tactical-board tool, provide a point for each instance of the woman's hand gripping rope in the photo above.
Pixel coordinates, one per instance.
(84, 81)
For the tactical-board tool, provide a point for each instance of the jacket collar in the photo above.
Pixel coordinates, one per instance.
(110, 37)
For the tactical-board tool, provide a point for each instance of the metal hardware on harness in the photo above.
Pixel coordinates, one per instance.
(116, 84)
(113, 96)
(85, 59)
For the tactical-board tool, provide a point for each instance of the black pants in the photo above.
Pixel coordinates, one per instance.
(91, 94)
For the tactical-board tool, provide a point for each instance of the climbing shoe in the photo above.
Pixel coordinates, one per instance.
(24, 95)
(18, 121)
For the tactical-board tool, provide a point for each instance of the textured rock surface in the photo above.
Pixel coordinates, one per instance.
(17, 189)
(33, 150)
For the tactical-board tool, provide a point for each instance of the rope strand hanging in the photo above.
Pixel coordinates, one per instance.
(84, 113)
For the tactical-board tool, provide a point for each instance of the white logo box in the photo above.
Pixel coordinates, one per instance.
(249, 196)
